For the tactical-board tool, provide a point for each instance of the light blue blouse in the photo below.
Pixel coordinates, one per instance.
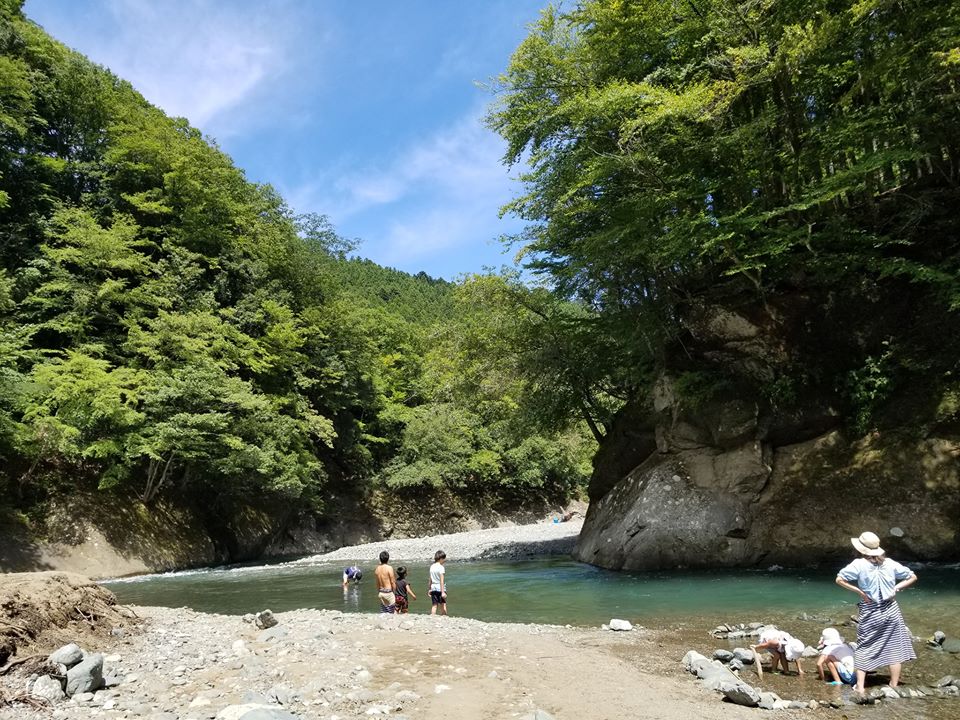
(876, 581)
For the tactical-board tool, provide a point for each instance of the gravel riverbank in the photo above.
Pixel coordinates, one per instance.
(516, 541)
(327, 665)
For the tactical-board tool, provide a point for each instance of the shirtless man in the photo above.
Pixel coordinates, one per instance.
(386, 584)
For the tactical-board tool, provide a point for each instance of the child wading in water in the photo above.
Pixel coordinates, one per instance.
(438, 586)
(403, 589)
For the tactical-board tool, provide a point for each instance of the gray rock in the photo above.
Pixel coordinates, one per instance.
(723, 655)
(740, 693)
(86, 676)
(949, 691)
(620, 625)
(82, 697)
(283, 695)
(810, 652)
(254, 698)
(769, 700)
(274, 633)
(248, 618)
(265, 619)
(542, 715)
(939, 636)
(409, 695)
(691, 657)
(112, 681)
(951, 645)
(254, 711)
(735, 664)
(714, 676)
(68, 655)
(48, 688)
(889, 693)
(743, 655)
(944, 681)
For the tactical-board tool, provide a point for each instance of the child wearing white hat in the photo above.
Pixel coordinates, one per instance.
(837, 657)
(782, 646)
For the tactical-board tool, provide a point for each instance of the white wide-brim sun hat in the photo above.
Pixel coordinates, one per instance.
(867, 544)
(830, 636)
(794, 649)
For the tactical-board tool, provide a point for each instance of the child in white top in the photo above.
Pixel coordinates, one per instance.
(837, 657)
(438, 585)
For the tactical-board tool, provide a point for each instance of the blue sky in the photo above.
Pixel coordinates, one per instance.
(368, 112)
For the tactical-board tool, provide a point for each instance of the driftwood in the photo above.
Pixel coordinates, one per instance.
(13, 663)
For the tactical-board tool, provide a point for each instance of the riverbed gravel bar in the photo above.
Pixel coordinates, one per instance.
(510, 542)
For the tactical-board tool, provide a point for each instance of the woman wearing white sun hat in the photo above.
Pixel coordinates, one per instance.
(882, 636)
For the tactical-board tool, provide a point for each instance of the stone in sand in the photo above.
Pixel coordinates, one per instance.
(48, 688)
(769, 701)
(743, 655)
(944, 681)
(68, 655)
(620, 625)
(722, 655)
(740, 693)
(86, 676)
(692, 657)
(265, 619)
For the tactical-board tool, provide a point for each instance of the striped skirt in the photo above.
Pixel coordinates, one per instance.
(882, 636)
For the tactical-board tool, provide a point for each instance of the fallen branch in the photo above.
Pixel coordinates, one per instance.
(13, 663)
(86, 619)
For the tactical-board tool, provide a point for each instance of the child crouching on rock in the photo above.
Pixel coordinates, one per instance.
(837, 656)
(403, 590)
(782, 646)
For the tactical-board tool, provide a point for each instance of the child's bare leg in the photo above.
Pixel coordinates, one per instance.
(833, 671)
(820, 662)
(799, 667)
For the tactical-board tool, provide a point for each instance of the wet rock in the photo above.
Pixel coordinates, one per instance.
(86, 676)
(68, 655)
(620, 625)
(889, 693)
(744, 655)
(944, 681)
(740, 693)
(735, 665)
(810, 652)
(951, 645)
(724, 656)
(48, 688)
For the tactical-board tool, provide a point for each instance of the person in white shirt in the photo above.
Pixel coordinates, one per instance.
(782, 646)
(438, 585)
(882, 635)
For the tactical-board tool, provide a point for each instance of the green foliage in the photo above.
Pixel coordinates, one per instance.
(869, 386)
(677, 151)
(169, 327)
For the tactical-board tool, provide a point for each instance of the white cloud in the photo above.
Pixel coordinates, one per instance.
(441, 194)
(192, 58)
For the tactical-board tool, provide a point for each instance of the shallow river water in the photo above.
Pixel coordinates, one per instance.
(684, 606)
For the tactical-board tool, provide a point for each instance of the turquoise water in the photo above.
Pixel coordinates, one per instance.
(557, 591)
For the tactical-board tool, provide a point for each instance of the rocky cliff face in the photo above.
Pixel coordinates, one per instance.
(719, 475)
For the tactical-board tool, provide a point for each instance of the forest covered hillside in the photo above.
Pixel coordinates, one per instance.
(171, 332)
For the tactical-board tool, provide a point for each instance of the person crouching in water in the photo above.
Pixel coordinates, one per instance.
(386, 584)
(403, 590)
(352, 573)
(837, 656)
(882, 636)
(782, 646)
